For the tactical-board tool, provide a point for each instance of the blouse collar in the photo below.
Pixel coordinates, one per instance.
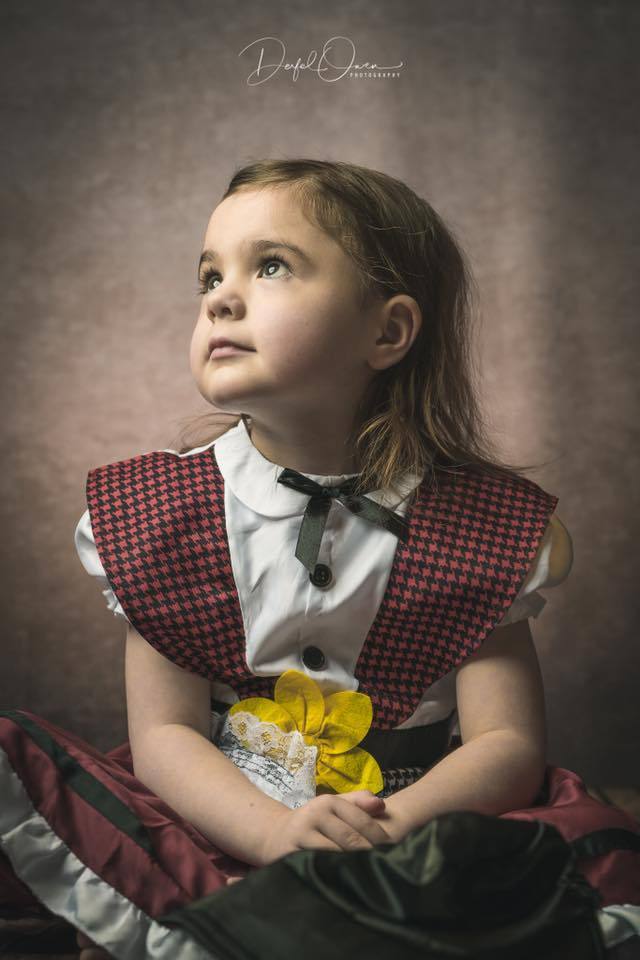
(253, 478)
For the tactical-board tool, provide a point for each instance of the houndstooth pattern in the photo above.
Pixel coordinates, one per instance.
(159, 528)
(470, 547)
(399, 777)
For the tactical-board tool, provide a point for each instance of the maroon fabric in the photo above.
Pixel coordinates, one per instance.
(184, 865)
(575, 813)
(159, 528)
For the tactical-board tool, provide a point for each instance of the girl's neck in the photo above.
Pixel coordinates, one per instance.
(321, 455)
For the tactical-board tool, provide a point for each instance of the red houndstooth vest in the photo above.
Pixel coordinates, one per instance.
(159, 528)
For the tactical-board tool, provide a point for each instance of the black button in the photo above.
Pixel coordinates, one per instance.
(314, 658)
(321, 576)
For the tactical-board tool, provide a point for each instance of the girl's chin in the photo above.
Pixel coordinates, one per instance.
(231, 405)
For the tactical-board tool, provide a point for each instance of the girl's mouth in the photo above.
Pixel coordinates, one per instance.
(227, 351)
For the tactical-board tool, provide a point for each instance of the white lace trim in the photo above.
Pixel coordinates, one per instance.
(280, 763)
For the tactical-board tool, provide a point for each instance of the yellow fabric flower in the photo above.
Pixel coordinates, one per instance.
(335, 724)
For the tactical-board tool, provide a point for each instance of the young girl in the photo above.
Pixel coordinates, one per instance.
(327, 601)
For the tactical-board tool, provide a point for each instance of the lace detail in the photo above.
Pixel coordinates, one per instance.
(280, 763)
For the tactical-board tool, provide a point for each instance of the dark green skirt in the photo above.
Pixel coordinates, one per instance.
(463, 885)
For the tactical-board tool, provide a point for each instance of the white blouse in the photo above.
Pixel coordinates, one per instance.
(282, 611)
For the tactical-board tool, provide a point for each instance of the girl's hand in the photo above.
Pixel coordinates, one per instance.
(327, 822)
(387, 815)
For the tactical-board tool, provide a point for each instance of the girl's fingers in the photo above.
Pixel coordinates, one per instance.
(353, 828)
(364, 822)
(362, 796)
(366, 800)
(327, 841)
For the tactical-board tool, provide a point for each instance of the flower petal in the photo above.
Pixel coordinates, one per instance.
(355, 770)
(347, 720)
(266, 710)
(302, 698)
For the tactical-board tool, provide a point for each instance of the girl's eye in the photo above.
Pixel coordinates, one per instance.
(208, 274)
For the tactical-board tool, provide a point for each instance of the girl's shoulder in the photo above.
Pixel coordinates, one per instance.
(84, 538)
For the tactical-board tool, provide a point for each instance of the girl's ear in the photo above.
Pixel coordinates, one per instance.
(398, 324)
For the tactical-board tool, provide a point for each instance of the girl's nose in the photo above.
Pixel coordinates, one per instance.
(224, 303)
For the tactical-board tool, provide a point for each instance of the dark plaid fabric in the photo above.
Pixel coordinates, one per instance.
(398, 778)
(159, 527)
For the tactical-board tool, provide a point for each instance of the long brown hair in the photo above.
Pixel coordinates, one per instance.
(423, 413)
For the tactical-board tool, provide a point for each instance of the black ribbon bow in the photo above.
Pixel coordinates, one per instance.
(315, 516)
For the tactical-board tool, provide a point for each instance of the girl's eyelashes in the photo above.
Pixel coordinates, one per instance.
(208, 274)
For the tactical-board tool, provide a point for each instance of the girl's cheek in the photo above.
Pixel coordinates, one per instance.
(197, 352)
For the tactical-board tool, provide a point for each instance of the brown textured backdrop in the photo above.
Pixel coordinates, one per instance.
(124, 121)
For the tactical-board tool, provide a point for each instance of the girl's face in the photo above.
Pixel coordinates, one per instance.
(296, 312)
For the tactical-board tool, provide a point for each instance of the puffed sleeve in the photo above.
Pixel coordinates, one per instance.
(86, 549)
(550, 567)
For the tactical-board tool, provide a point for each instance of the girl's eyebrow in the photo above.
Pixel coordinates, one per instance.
(258, 246)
